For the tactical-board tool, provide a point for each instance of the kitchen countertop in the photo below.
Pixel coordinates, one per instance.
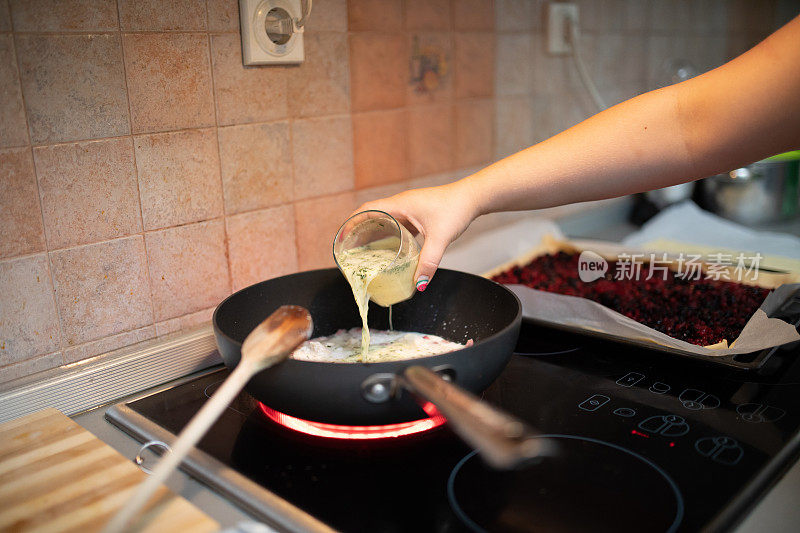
(777, 512)
(198, 494)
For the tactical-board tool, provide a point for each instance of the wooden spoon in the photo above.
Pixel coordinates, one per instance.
(268, 344)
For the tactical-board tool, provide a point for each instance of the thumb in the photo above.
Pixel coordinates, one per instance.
(429, 259)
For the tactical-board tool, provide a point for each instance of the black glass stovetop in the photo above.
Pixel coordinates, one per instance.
(645, 442)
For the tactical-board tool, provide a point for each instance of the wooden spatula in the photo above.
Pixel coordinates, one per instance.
(268, 344)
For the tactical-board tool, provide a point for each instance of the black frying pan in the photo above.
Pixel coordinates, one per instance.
(456, 306)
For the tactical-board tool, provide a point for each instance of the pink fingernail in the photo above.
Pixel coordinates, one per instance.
(422, 283)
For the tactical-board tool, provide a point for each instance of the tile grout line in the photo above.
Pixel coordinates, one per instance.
(294, 179)
(422, 105)
(56, 300)
(87, 32)
(53, 293)
(228, 262)
(136, 170)
(4, 369)
(107, 338)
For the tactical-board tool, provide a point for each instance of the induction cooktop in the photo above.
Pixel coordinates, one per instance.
(643, 442)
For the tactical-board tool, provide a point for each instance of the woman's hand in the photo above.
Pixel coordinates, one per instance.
(440, 214)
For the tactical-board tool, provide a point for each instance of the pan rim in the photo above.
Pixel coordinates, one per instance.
(388, 365)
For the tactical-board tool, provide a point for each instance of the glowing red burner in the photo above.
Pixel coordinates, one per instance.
(335, 431)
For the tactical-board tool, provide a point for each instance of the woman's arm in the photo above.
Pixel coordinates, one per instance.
(738, 113)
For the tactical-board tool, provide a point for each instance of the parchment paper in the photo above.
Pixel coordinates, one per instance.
(759, 333)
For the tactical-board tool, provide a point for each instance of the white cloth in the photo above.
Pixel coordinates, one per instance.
(685, 222)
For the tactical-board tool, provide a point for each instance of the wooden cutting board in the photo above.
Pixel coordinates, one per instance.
(56, 476)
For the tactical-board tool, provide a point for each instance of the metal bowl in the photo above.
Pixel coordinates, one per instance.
(763, 192)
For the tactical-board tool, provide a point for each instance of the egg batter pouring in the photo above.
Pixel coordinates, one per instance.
(362, 265)
(379, 272)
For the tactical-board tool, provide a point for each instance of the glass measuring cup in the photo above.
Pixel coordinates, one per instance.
(377, 230)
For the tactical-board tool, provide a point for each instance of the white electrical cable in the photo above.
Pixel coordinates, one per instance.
(583, 72)
(299, 23)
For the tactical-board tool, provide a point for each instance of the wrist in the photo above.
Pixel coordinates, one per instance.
(469, 196)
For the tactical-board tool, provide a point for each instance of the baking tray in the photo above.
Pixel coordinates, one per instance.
(788, 311)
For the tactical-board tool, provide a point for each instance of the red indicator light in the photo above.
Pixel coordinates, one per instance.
(671, 444)
(639, 434)
(335, 431)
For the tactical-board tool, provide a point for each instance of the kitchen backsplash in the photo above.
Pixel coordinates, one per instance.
(146, 174)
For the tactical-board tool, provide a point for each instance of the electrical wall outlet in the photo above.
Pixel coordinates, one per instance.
(261, 48)
(559, 17)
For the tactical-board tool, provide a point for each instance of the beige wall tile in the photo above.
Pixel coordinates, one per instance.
(158, 15)
(188, 268)
(513, 125)
(5, 16)
(432, 87)
(602, 16)
(381, 191)
(431, 139)
(179, 179)
(317, 221)
(64, 15)
(380, 147)
(378, 70)
(516, 15)
(245, 94)
(474, 64)
(102, 289)
(427, 14)
(615, 58)
(714, 16)
(614, 93)
(89, 191)
(381, 15)
(261, 245)
(20, 214)
(474, 132)
(473, 14)
(256, 166)
(636, 15)
(30, 366)
(434, 180)
(169, 81)
(13, 127)
(554, 114)
(223, 15)
(323, 156)
(514, 64)
(665, 52)
(108, 344)
(321, 84)
(671, 15)
(28, 317)
(74, 86)
(708, 16)
(708, 51)
(184, 322)
(550, 75)
(329, 15)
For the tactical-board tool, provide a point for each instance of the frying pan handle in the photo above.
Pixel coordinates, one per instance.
(504, 441)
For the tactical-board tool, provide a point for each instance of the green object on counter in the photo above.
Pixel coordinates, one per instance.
(787, 156)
